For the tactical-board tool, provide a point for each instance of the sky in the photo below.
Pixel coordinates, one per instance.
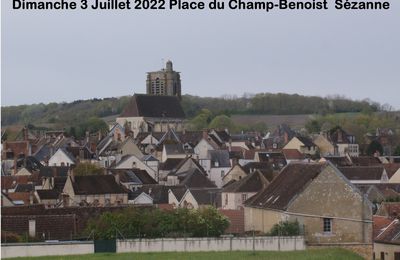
(56, 56)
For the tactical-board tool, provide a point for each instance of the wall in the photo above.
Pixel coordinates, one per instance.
(261, 220)
(211, 244)
(387, 249)
(333, 197)
(45, 249)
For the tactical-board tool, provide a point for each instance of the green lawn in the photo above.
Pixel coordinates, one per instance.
(325, 254)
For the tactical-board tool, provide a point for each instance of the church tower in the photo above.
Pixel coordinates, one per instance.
(165, 82)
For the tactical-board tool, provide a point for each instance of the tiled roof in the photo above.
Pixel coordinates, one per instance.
(293, 154)
(206, 196)
(265, 168)
(362, 172)
(194, 178)
(306, 141)
(290, 182)
(96, 184)
(170, 164)
(153, 106)
(254, 182)
(48, 194)
(53, 171)
(236, 219)
(380, 222)
(133, 175)
(366, 161)
(220, 156)
(391, 234)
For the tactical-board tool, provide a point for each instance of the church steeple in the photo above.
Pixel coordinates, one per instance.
(166, 82)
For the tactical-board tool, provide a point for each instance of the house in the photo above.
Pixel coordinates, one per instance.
(139, 198)
(95, 190)
(192, 178)
(167, 167)
(303, 144)
(50, 198)
(62, 158)
(387, 242)
(195, 198)
(173, 151)
(234, 174)
(132, 179)
(278, 139)
(131, 162)
(339, 212)
(236, 193)
(148, 113)
(217, 164)
(336, 142)
(129, 147)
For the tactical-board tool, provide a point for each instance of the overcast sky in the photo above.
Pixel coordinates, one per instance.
(53, 56)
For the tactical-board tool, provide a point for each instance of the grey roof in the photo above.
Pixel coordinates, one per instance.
(174, 149)
(194, 178)
(254, 182)
(153, 106)
(220, 156)
(290, 182)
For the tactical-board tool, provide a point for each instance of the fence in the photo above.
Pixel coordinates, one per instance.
(48, 248)
(212, 244)
(156, 245)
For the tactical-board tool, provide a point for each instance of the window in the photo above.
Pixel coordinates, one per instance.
(226, 199)
(327, 225)
(244, 197)
(396, 255)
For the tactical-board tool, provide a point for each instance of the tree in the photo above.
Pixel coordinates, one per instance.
(142, 222)
(85, 168)
(202, 120)
(222, 122)
(374, 147)
(397, 151)
(285, 228)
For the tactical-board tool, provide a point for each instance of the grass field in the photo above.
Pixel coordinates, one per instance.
(312, 254)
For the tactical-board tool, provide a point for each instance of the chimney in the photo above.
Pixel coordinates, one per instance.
(25, 134)
(117, 180)
(71, 174)
(31, 198)
(205, 134)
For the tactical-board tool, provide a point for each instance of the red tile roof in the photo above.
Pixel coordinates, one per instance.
(293, 154)
(380, 222)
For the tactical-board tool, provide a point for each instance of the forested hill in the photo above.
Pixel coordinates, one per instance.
(74, 113)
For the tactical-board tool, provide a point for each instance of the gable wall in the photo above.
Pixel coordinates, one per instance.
(330, 196)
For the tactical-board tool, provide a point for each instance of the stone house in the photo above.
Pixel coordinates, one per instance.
(95, 190)
(236, 193)
(303, 144)
(328, 207)
(61, 158)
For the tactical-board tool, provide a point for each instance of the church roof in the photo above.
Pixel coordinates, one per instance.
(153, 106)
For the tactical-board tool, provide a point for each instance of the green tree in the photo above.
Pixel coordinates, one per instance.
(222, 122)
(397, 151)
(85, 168)
(374, 147)
(286, 228)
